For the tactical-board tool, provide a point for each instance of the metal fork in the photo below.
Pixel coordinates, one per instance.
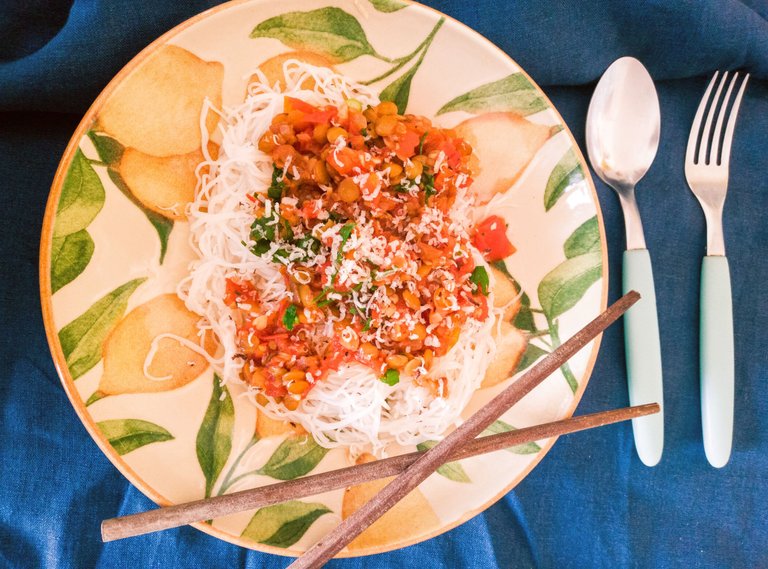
(706, 170)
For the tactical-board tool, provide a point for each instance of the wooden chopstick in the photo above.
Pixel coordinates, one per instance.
(182, 514)
(317, 555)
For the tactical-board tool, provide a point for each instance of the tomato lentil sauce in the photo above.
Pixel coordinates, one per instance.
(358, 217)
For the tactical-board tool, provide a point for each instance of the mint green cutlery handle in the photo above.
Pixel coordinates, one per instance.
(716, 359)
(643, 353)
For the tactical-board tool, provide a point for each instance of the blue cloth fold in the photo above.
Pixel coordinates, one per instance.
(590, 502)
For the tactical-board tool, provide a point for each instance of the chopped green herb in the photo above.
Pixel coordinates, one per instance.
(280, 256)
(346, 233)
(290, 317)
(428, 180)
(421, 142)
(480, 277)
(275, 190)
(335, 216)
(346, 230)
(323, 294)
(367, 325)
(287, 230)
(364, 131)
(353, 310)
(264, 228)
(261, 247)
(391, 377)
(308, 244)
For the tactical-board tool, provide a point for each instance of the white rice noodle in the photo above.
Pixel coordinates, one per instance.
(351, 407)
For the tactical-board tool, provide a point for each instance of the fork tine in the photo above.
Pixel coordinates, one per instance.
(696, 126)
(701, 157)
(711, 157)
(728, 139)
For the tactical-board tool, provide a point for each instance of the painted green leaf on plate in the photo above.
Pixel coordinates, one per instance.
(284, 524)
(330, 31)
(126, 435)
(82, 338)
(400, 89)
(109, 150)
(69, 257)
(296, 456)
(388, 5)
(451, 470)
(214, 438)
(501, 427)
(566, 173)
(585, 239)
(82, 197)
(524, 317)
(564, 286)
(513, 93)
(162, 225)
(532, 354)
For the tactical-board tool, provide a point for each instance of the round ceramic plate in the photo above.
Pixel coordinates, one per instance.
(115, 245)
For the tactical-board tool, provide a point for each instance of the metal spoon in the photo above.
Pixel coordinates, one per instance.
(623, 124)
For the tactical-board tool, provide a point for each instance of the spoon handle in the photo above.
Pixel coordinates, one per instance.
(716, 359)
(643, 354)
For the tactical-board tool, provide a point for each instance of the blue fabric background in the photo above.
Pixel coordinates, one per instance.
(590, 503)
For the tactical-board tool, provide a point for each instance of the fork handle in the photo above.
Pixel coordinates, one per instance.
(716, 359)
(643, 354)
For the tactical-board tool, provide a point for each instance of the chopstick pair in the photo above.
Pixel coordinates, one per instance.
(412, 468)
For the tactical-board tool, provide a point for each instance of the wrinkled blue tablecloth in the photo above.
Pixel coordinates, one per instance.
(590, 503)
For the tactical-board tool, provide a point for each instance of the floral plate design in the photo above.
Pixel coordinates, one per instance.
(115, 245)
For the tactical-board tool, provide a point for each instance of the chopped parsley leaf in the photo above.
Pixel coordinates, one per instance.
(290, 317)
(480, 277)
(421, 142)
(287, 230)
(263, 228)
(275, 190)
(323, 294)
(261, 247)
(429, 185)
(346, 233)
(280, 256)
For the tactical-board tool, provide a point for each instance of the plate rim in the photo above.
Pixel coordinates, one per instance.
(60, 361)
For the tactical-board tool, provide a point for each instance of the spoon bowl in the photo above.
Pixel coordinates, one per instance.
(623, 124)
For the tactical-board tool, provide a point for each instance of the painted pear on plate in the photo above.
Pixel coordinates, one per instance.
(409, 518)
(126, 349)
(504, 144)
(273, 67)
(157, 107)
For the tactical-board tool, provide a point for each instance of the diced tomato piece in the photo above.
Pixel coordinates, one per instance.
(310, 209)
(291, 104)
(357, 141)
(491, 239)
(320, 117)
(312, 115)
(357, 122)
(343, 160)
(275, 389)
(406, 146)
(452, 156)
